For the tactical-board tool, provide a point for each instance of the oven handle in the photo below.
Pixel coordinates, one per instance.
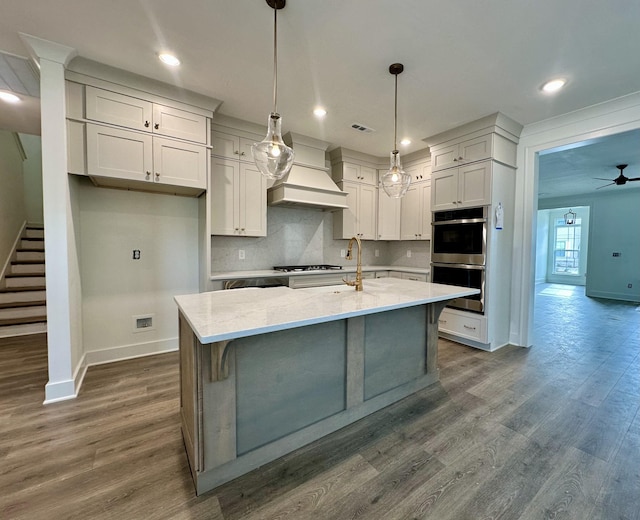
(460, 221)
(460, 266)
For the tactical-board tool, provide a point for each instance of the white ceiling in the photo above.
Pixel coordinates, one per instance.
(463, 59)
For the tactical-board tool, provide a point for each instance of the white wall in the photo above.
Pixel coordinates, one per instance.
(32, 170)
(12, 209)
(542, 245)
(613, 226)
(115, 287)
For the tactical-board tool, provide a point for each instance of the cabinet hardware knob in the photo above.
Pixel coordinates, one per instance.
(455, 160)
(148, 174)
(236, 152)
(470, 328)
(242, 153)
(157, 175)
(156, 126)
(459, 202)
(147, 123)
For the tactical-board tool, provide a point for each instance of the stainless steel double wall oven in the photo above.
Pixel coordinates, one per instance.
(459, 252)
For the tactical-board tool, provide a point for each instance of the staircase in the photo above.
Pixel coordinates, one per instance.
(22, 290)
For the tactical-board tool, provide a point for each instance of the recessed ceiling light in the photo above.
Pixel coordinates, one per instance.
(319, 112)
(405, 142)
(554, 85)
(9, 97)
(169, 59)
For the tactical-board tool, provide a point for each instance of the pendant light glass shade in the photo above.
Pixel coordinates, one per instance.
(396, 181)
(271, 155)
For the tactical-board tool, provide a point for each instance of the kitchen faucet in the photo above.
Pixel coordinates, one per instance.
(357, 283)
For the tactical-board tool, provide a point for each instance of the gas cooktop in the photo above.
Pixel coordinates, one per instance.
(294, 268)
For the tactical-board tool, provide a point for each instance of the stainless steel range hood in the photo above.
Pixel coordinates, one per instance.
(308, 184)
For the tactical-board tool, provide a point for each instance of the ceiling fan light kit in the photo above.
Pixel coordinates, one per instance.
(620, 180)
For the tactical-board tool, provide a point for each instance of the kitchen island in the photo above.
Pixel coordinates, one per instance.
(266, 371)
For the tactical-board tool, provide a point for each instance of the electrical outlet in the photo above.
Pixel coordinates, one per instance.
(343, 253)
(408, 253)
(241, 254)
(616, 254)
(377, 252)
(629, 285)
(136, 254)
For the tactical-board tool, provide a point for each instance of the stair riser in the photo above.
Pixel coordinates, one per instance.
(22, 312)
(34, 233)
(27, 296)
(22, 256)
(21, 330)
(24, 281)
(27, 269)
(32, 244)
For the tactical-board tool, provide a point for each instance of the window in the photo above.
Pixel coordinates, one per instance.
(566, 252)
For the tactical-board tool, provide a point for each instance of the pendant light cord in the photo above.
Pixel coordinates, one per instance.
(395, 118)
(275, 60)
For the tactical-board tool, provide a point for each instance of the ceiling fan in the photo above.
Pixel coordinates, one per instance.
(620, 180)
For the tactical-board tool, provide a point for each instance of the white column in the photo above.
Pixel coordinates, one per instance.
(58, 223)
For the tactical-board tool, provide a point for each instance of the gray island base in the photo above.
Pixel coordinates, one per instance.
(264, 372)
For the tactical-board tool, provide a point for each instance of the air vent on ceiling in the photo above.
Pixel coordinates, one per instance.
(362, 128)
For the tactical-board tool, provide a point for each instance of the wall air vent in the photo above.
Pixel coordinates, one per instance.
(362, 128)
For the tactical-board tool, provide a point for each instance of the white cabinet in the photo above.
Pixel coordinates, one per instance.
(238, 198)
(463, 152)
(463, 187)
(403, 275)
(138, 114)
(359, 219)
(122, 154)
(355, 172)
(388, 216)
(232, 146)
(415, 217)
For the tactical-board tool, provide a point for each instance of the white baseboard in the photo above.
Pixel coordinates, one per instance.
(614, 296)
(112, 354)
(59, 391)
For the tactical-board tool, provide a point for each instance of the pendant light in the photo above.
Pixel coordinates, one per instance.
(570, 217)
(271, 155)
(396, 181)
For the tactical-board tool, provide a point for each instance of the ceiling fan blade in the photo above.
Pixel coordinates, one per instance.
(634, 179)
(610, 184)
(601, 179)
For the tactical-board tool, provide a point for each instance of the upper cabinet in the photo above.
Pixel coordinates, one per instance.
(388, 216)
(415, 219)
(231, 146)
(137, 114)
(457, 154)
(356, 173)
(122, 139)
(463, 187)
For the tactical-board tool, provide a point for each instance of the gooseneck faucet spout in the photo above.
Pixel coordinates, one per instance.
(357, 283)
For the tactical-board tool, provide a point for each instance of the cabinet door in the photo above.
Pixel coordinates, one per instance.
(224, 196)
(425, 210)
(367, 211)
(179, 164)
(118, 109)
(410, 219)
(112, 152)
(253, 201)
(388, 216)
(444, 157)
(351, 172)
(244, 151)
(178, 123)
(474, 185)
(416, 277)
(444, 189)
(345, 221)
(368, 175)
(225, 145)
(476, 149)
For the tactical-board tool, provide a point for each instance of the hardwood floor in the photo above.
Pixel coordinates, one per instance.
(541, 433)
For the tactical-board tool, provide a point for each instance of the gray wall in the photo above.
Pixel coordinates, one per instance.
(613, 228)
(305, 236)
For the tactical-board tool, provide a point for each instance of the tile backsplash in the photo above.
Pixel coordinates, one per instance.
(305, 236)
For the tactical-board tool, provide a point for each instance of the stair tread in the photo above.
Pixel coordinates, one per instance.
(23, 289)
(5, 322)
(27, 262)
(18, 304)
(23, 275)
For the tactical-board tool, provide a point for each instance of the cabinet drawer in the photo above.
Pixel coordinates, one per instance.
(118, 109)
(464, 324)
(416, 277)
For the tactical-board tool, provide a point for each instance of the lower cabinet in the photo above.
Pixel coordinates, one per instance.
(416, 277)
(238, 199)
(463, 324)
(122, 154)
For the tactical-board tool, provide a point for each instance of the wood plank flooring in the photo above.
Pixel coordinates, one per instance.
(551, 432)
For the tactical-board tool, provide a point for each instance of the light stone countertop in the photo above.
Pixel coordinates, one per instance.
(267, 273)
(225, 315)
